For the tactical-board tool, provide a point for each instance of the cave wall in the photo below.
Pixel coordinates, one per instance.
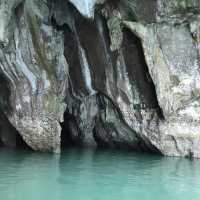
(36, 70)
(117, 74)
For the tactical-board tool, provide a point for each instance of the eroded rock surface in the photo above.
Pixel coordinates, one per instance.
(122, 74)
(172, 56)
(35, 68)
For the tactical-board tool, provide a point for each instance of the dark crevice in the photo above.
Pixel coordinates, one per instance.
(145, 146)
(70, 134)
(138, 71)
(19, 11)
(9, 136)
(5, 92)
(102, 133)
(72, 50)
(93, 36)
(115, 106)
(142, 144)
(1, 143)
(20, 143)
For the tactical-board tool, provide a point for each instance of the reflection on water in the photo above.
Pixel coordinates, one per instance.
(97, 175)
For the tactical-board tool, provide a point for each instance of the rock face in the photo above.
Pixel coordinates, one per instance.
(117, 74)
(34, 72)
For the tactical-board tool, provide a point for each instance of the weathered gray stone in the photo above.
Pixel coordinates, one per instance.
(126, 74)
(7, 19)
(34, 65)
(172, 57)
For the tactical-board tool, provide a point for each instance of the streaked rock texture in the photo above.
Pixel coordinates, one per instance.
(34, 70)
(119, 74)
(171, 50)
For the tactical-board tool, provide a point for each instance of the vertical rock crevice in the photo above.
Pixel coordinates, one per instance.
(5, 92)
(116, 76)
(70, 134)
(139, 72)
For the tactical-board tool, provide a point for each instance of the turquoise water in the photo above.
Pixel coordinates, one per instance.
(97, 175)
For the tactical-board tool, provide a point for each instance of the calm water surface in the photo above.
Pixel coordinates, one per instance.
(97, 175)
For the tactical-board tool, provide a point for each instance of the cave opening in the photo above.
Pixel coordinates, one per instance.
(70, 134)
(9, 136)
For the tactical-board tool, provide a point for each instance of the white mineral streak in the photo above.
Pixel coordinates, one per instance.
(26, 99)
(86, 71)
(29, 75)
(25, 70)
(47, 83)
(18, 107)
(1, 28)
(191, 112)
(123, 75)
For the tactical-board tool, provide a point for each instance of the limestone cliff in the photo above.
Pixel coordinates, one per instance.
(110, 73)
